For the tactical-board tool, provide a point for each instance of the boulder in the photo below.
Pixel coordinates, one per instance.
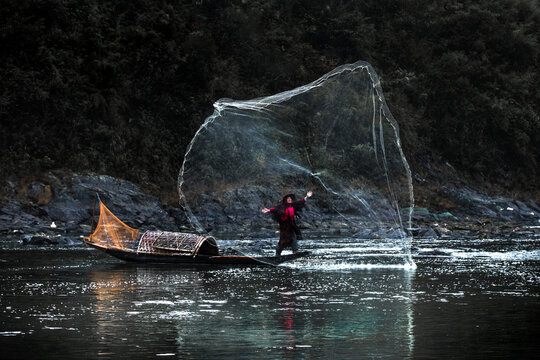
(37, 240)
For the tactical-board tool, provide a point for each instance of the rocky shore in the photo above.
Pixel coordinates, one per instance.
(60, 211)
(54, 210)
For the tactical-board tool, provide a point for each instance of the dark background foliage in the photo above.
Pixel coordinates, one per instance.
(120, 86)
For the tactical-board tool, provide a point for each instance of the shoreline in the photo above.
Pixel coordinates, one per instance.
(58, 210)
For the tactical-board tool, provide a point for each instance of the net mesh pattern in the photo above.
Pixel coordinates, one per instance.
(111, 232)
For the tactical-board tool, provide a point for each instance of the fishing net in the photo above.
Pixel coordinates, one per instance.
(112, 233)
(335, 136)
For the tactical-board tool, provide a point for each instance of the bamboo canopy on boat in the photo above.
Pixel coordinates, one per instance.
(164, 242)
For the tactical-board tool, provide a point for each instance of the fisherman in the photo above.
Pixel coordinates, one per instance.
(284, 213)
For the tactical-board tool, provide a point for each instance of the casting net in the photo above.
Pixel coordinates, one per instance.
(335, 136)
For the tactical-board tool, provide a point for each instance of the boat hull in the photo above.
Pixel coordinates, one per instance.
(188, 260)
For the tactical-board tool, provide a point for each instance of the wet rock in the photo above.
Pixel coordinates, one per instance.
(37, 240)
(48, 240)
(64, 240)
(428, 233)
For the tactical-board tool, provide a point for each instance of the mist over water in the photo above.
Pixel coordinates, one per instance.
(335, 136)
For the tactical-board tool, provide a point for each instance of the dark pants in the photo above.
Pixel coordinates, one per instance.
(295, 236)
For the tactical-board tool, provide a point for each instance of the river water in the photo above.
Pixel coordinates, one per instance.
(470, 299)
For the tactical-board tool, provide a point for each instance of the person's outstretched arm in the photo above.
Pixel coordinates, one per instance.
(299, 205)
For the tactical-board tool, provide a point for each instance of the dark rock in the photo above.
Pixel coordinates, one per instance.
(15, 217)
(533, 206)
(428, 233)
(38, 240)
(178, 215)
(238, 212)
(64, 240)
(10, 189)
(392, 234)
(73, 205)
(48, 240)
(40, 193)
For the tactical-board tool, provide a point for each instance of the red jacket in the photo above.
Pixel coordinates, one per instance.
(286, 212)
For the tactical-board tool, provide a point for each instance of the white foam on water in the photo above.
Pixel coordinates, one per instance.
(179, 314)
(499, 255)
(11, 333)
(379, 255)
(348, 266)
(354, 249)
(215, 301)
(153, 302)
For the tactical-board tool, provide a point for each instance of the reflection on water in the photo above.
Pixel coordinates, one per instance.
(274, 311)
(80, 303)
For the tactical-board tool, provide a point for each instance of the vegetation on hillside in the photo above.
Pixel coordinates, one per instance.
(120, 86)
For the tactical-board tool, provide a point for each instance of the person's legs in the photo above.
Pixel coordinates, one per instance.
(294, 244)
(297, 236)
(297, 233)
(279, 248)
(286, 235)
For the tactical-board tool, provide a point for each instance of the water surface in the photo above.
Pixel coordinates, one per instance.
(473, 299)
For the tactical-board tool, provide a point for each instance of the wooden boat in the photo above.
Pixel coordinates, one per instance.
(115, 238)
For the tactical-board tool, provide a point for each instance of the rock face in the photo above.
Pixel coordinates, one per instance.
(69, 204)
(70, 207)
(40, 193)
(472, 203)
